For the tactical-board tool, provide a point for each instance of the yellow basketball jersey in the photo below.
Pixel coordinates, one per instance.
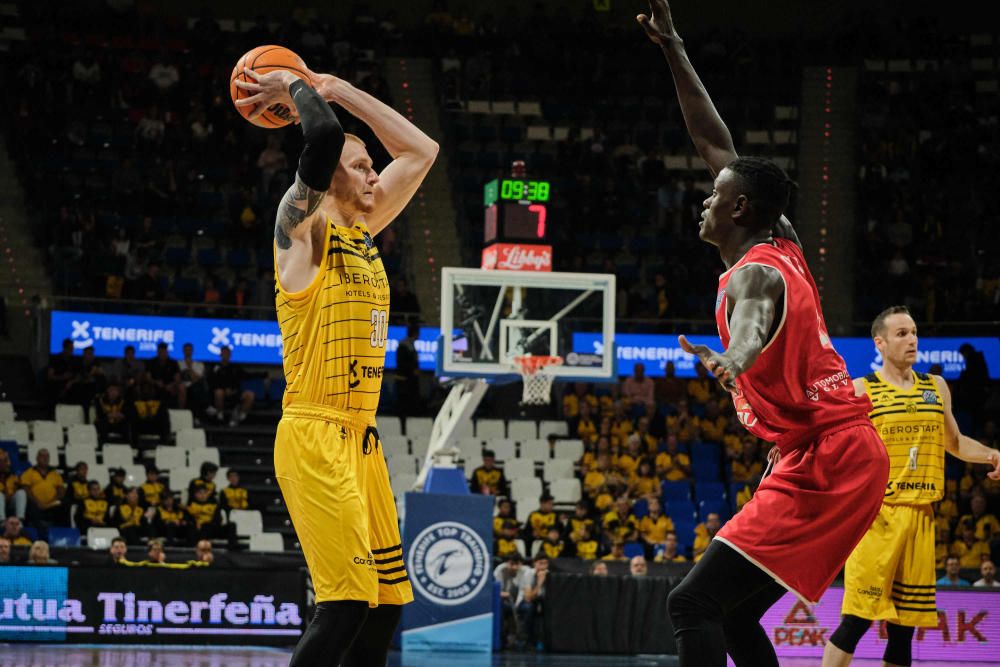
(911, 424)
(334, 331)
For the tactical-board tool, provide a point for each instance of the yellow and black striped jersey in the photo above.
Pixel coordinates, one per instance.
(911, 424)
(334, 331)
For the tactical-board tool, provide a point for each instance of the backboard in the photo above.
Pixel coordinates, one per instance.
(489, 317)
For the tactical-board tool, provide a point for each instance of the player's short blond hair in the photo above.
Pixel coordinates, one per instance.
(348, 135)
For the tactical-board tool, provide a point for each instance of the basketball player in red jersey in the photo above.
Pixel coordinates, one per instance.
(789, 386)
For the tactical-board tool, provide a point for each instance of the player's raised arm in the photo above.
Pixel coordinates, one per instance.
(962, 446)
(709, 133)
(413, 152)
(324, 140)
(756, 291)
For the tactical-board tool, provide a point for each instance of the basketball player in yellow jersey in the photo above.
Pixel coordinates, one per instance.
(332, 298)
(890, 575)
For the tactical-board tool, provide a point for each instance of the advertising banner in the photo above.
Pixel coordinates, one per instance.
(151, 605)
(251, 341)
(517, 257)
(448, 542)
(968, 628)
(655, 350)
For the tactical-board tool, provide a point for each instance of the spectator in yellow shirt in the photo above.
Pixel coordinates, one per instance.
(507, 543)
(617, 552)
(645, 483)
(947, 507)
(672, 464)
(650, 444)
(620, 523)
(699, 389)
(13, 499)
(505, 514)
(629, 461)
(93, 509)
(487, 479)
(13, 531)
(987, 526)
(653, 527)
(969, 550)
(580, 396)
(553, 546)
(744, 495)
(46, 490)
(234, 496)
(602, 475)
(78, 483)
(748, 464)
(586, 547)
(681, 422)
(666, 552)
(132, 522)
(621, 424)
(713, 424)
(538, 523)
(170, 520)
(704, 533)
(607, 402)
(152, 489)
(584, 427)
(579, 521)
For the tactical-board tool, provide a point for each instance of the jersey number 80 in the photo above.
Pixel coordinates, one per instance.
(380, 327)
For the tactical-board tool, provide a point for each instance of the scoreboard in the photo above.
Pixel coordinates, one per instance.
(514, 226)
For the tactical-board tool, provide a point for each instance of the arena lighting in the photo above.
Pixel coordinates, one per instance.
(825, 185)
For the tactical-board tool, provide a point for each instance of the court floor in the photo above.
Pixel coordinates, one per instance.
(27, 655)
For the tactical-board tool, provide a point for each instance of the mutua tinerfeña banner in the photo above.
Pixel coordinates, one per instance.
(151, 605)
(967, 630)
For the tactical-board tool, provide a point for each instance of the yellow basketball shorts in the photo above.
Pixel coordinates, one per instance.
(890, 575)
(335, 482)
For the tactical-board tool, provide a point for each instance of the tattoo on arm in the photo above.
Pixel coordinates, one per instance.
(299, 203)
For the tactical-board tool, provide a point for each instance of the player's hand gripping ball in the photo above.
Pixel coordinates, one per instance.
(261, 61)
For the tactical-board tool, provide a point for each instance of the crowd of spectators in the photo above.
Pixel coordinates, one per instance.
(648, 494)
(146, 182)
(131, 397)
(41, 498)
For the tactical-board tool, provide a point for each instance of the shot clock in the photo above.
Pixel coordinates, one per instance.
(516, 209)
(514, 222)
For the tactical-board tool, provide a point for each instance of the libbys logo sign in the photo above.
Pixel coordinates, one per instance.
(517, 257)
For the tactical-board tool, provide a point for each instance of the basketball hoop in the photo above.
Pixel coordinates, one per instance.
(537, 382)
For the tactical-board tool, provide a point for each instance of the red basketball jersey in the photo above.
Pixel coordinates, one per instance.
(799, 384)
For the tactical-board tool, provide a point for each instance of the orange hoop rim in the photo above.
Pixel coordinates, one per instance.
(531, 364)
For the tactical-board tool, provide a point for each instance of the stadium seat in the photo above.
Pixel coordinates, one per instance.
(565, 490)
(530, 487)
(389, 426)
(168, 456)
(521, 548)
(395, 445)
(706, 451)
(717, 505)
(402, 483)
(401, 465)
(419, 448)
(640, 508)
(47, 433)
(180, 419)
(487, 429)
(99, 473)
(525, 506)
(705, 471)
(190, 438)
(196, 457)
(135, 474)
(536, 450)
(419, 427)
(505, 450)
(99, 539)
(76, 453)
(518, 468)
(64, 537)
(685, 534)
(552, 427)
(16, 431)
(556, 469)
(522, 429)
(13, 451)
(633, 549)
(471, 462)
(469, 447)
(464, 429)
(267, 541)
(82, 434)
(678, 490)
(734, 490)
(7, 411)
(709, 491)
(68, 415)
(570, 450)
(247, 522)
(115, 456)
(680, 510)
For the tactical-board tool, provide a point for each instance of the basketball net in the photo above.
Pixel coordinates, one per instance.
(537, 383)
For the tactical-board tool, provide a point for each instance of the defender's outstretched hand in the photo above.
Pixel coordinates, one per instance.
(722, 367)
(659, 25)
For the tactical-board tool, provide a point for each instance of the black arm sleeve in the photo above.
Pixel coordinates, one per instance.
(323, 134)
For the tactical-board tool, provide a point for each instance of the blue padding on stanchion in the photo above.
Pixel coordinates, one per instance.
(450, 481)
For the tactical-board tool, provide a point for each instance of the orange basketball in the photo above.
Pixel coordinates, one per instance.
(262, 60)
